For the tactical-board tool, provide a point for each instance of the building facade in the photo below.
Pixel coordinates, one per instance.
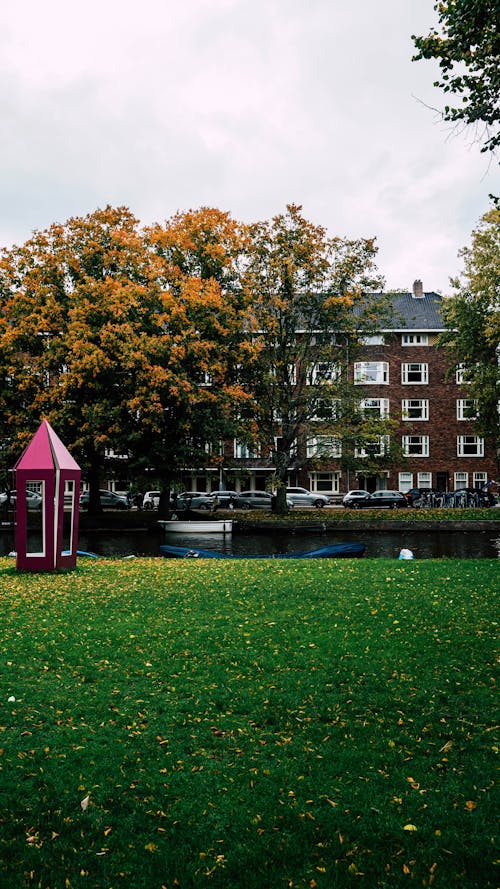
(402, 374)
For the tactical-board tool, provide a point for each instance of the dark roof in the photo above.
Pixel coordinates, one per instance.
(416, 313)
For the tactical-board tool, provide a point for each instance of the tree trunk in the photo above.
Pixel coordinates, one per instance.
(164, 504)
(279, 505)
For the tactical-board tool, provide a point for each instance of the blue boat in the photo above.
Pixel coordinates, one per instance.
(336, 551)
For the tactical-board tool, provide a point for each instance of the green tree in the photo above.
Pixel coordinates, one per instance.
(467, 45)
(120, 347)
(472, 317)
(308, 312)
(78, 301)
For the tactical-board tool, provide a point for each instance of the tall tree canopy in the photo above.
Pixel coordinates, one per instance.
(198, 257)
(75, 299)
(105, 334)
(472, 316)
(307, 313)
(467, 45)
(159, 343)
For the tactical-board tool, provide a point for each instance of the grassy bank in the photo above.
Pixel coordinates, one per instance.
(331, 518)
(242, 724)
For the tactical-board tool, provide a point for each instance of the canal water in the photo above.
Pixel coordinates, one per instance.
(379, 544)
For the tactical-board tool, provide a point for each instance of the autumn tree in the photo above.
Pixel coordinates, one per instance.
(472, 317)
(198, 257)
(466, 43)
(307, 315)
(78, 304)
(121, 341)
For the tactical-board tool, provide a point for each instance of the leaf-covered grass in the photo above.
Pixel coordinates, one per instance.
(248, 724)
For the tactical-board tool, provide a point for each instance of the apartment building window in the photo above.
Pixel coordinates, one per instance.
(375, 447)
(405, 482)
(324, 338)
(415, 339)
(324, 446)
(416, 445)
(290, 376)
(378, 407)
(323, 372)
(460, 375)
(326, 409)
(373, 339)
(243, 451)
(325, 482)
(424, 480)
(415, 374)
(470, 446)
(466, 408)
(479, 479)
(415, 409)
(371, 372)
(461, 480)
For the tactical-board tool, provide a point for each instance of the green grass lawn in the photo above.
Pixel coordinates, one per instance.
(248, 724)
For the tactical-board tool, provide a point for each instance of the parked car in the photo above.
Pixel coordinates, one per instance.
(413, 495)
(151, 500)
(379, 500)
(226, 499)
(353, 497)
(302, 497)
(109, 500)
(258, 500)
(194, 500)
(33, 500)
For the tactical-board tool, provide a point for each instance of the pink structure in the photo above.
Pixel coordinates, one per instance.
(46, 466)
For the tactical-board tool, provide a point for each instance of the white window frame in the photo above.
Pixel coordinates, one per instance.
(424, 480)
(377, 405)
(465, 404)
(479, 479)
(414, 339)
(405, 481)
(333, 404)
(413, 404)
(409, 368)
(39, 487)
(464, 442)
(372, 339)
(243, 451)
(411, 441)
(323, 372)
(371, 373)
(460, 480)
(325, 482)
(383, 447)
(459, 375)
(327, 446)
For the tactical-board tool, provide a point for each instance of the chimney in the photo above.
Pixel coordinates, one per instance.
(418, 290)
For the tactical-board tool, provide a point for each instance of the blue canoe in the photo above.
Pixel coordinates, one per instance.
(336, 551)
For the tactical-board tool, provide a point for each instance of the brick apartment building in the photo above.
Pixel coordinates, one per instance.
(402, 374)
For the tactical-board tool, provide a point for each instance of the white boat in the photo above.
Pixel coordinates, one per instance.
(208, 526)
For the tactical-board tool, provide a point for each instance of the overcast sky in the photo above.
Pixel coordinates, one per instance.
(245, 105)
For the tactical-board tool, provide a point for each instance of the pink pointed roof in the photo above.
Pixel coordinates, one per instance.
(46, 451)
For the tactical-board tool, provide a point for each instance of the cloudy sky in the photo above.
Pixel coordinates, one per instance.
(245, 105)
